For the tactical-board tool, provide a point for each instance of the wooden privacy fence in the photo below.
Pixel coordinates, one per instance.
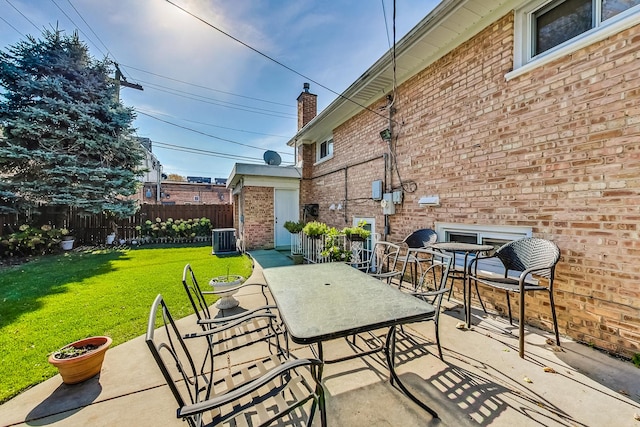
(94, 228)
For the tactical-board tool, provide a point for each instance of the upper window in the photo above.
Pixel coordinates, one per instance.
(325, 150)
(549, 28)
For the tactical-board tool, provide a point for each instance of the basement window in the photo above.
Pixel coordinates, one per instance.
(495, 236)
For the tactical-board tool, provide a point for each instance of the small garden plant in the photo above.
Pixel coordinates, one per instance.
(70, 351)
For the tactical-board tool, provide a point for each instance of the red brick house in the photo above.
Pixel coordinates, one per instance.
(507, 119)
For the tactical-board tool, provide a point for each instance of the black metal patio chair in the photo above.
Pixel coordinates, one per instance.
(432, 288)
(421, 238)
(381, 262)
(255, 393)
(251, 326)
(526, 257)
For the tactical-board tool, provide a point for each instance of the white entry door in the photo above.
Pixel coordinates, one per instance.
(286, 208)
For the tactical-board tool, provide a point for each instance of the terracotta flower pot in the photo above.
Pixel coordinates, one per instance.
(80, 368)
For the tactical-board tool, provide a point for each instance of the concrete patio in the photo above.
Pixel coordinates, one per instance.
(481, 381)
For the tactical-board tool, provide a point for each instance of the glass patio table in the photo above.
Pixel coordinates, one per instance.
(321, 302)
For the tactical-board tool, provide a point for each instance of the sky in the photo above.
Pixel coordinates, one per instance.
(220, 82)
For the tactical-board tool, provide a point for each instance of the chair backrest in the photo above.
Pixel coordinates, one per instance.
(438, 261)
(188, 384)
(530, 252)
(421, 238)
(384, 257)
(195, 295)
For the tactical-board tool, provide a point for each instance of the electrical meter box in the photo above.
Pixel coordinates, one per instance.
(388, 208)
(376, 190)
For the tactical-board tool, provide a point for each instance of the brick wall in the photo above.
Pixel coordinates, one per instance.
(258, 218)
(556, 149)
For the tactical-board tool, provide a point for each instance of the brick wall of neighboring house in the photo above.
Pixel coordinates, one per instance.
(556, 149)
(184, 193)
(258, 217)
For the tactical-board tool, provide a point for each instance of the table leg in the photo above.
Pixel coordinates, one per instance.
(466, 287)
(321, 357)
(390, 350)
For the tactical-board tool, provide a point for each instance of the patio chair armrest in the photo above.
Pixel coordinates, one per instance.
(472, 269)
(389, 274)
(226, 319)
(244, 390)
(430, 293)
(230, 325)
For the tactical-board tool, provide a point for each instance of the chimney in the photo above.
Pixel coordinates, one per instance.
(307, 106)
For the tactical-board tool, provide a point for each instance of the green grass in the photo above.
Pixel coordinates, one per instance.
(55, 300)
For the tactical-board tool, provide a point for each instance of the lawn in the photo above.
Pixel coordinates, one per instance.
(54, 300)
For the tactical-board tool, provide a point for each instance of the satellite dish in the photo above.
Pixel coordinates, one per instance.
(271, 158)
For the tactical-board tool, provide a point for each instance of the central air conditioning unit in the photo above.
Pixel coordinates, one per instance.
(223, 240)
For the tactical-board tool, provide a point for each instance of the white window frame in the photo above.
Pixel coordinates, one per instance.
(523, 60)
(328, 141)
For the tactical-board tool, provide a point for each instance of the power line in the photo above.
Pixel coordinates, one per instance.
(16, 30)
(207, 88)
(196, 97)
(204, 133)
(174, 147)
(78, 27)
(91, 29)
(274, 60)
(215, 126)
(23, 15)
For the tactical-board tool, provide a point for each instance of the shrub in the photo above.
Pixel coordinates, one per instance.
(178, 228)
(30, 241)
(334, 246)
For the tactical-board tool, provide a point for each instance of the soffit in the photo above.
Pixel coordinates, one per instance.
(450, 24)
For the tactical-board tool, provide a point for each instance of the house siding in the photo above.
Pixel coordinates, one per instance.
(556, 149)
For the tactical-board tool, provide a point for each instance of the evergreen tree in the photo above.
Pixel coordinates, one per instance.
(67, 137)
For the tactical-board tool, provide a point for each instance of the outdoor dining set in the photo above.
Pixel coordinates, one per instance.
(310, 304)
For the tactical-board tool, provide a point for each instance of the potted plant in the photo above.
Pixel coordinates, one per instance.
(315, 229)
(67, 239)
(296, 242)
(80, 360)
(357, 233)
(293, 227)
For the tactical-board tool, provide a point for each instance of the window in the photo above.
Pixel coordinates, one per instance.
(481, 234)
(545, 30)
(557, 23)
(325, 149)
